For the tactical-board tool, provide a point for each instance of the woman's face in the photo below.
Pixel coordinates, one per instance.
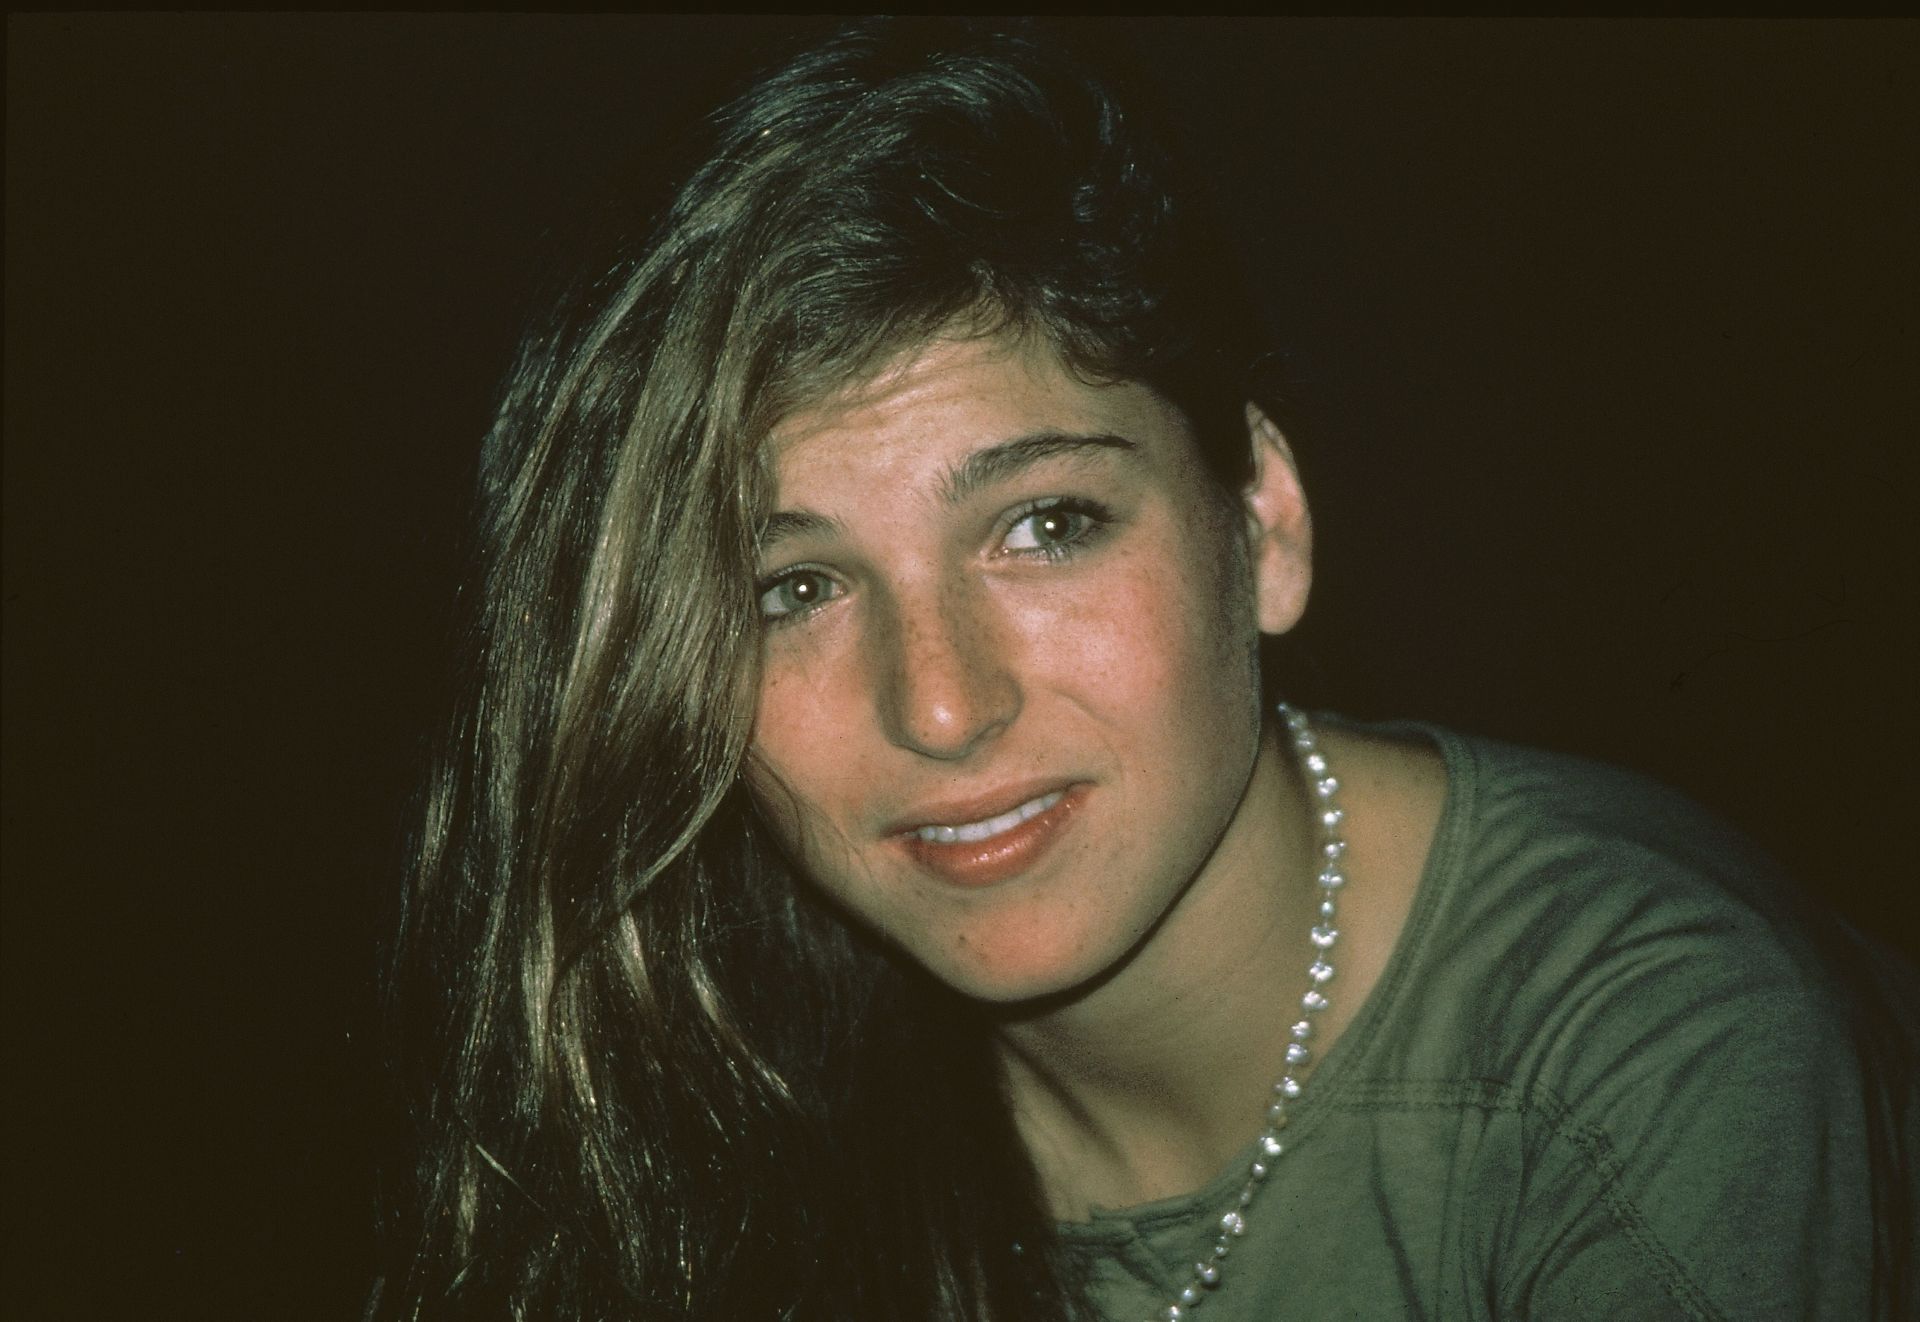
(1010, 697)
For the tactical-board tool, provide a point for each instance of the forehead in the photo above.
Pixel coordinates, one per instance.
(932, 406)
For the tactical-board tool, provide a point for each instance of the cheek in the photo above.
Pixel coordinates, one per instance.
(800, 743)
(1149, 631)
(817, 752)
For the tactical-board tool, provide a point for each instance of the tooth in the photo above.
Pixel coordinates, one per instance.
(974, 832)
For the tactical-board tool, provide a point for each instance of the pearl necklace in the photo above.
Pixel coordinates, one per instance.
(1332, 876)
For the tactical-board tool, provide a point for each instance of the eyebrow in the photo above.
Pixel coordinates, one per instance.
(982, 468)
(996, 463)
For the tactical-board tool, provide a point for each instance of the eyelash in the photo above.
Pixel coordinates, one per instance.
(1098, 519)
(767, 586)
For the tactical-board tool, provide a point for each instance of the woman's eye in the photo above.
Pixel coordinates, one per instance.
(790, 594)
(1051, 531)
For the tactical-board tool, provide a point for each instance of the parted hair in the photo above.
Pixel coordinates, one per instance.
(644, 1070)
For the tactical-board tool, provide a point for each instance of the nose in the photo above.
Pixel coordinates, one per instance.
(947, 684)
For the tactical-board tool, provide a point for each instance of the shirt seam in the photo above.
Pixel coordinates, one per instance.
(1600, 1158)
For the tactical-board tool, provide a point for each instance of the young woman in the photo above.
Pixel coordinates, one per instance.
(866, 880)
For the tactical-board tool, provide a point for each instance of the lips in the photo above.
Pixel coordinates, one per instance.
(990, 840)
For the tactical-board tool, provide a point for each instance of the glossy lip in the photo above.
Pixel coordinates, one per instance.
(1007, 855)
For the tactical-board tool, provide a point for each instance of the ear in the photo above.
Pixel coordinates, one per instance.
(1279, 529)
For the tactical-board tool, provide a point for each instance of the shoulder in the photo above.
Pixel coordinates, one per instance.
(1567, 863)
(1640, 980)
(1560, 905)
(1533, 861)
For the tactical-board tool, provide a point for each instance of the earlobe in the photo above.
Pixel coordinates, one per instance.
(1279, 529)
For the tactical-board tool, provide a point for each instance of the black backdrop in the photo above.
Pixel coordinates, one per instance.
(1603, 338)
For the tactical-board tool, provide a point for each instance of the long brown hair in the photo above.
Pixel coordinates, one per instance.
(645, 1072)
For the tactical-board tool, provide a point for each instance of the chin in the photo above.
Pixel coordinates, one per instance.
(1028, 969)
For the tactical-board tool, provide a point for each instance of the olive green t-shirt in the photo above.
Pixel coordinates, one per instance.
(1600, 1078)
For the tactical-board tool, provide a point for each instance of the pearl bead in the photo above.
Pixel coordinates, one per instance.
(1324, 936)
(1271, 1146)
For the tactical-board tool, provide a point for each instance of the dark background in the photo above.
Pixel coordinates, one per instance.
(1602, 337)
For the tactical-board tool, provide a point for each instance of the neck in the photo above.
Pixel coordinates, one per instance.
(1144, 1085)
